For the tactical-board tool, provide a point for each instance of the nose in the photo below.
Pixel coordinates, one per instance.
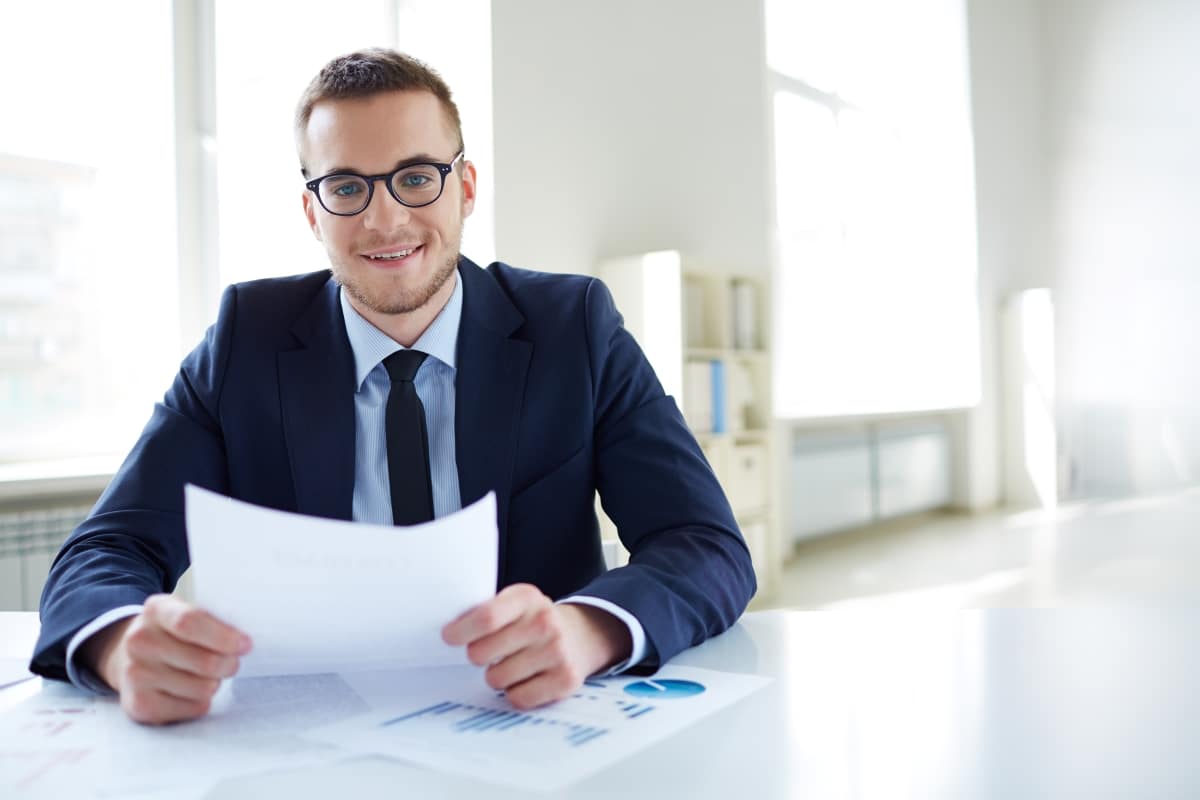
(384, 212)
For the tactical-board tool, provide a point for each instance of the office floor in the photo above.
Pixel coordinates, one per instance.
(1145, 549)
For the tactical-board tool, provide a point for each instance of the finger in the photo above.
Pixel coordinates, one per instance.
(150, 645)
(522, 666)
(185, 621)
(502, 610)
(152, 707)
(545, 687)
(199, 661)
(533, 629)
(158, 677)
(186, 686)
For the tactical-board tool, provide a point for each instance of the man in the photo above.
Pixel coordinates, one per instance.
(403, 386)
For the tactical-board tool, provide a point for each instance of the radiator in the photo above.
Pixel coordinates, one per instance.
(852, 478)
(29, 540)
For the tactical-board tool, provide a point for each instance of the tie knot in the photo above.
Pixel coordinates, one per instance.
(402, 365)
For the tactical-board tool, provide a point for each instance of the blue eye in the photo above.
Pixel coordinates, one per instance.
(347, 189)
(415, 181)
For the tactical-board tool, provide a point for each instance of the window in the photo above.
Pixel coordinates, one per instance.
(88, 284)
(874, 201)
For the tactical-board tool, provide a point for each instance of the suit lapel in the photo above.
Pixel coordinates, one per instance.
(316, 386)
(489, 388)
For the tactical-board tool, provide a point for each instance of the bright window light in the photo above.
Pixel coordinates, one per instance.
(88, 269)
(877, 308)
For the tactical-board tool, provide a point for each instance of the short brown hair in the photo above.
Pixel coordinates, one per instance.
(371, 71)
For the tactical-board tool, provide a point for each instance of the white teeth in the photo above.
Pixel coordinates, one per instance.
(392, 256)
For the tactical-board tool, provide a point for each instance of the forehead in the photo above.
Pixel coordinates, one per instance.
(372, 134)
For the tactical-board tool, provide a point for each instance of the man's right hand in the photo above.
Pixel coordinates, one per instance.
(168, 661)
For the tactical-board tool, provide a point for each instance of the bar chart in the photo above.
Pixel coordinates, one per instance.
(582, 718)
(449, 719)
(465, 718)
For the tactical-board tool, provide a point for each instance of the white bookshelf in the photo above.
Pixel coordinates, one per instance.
(692, 321)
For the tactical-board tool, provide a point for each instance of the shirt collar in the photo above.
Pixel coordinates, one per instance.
(371, 345)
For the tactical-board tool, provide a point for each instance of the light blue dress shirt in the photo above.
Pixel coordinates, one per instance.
(434, 383)
(372, 501)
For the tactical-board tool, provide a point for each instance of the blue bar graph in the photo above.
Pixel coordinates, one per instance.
(440, 708)
(469, 719)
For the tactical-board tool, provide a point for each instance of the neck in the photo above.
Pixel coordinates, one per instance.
(407, 328)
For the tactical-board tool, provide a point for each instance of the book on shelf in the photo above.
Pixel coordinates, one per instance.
(718, 396)
(739, 390)
(706, 407)
(720, 423)
(697, 396)
(745, 315)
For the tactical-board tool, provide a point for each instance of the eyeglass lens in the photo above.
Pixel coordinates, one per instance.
(417, 185)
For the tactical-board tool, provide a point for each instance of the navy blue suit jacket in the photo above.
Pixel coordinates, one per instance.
(555, 401)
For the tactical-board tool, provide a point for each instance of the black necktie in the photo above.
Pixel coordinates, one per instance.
(407, 442)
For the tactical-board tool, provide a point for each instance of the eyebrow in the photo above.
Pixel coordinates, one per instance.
(419, 158)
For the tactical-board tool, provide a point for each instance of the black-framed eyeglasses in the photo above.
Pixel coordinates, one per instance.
(414, 185)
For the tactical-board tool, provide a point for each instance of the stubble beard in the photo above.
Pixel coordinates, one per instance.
(394, 299)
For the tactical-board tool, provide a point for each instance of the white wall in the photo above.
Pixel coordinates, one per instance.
(1123, 93)
(1005, 42)
(1007, 77)
(625, 126)
(1087, 118)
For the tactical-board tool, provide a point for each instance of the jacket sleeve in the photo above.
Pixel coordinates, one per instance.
(689, 575)
(133, 543)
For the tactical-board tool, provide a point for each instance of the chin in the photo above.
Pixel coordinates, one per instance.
(386, 297)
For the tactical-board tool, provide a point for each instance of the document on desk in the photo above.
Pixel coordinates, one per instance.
(252, 727)
(14, 670)
(449, 719)
(49, 744)
(319, 595)
(61, 742)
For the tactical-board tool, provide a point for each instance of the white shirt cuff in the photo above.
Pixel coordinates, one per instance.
(636, 632)
(79, 674)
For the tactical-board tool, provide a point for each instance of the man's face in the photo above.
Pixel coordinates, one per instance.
(372, 136)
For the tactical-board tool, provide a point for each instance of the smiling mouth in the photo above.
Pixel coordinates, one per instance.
(393, 255)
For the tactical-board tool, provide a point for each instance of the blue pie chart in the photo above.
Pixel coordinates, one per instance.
(665, 689)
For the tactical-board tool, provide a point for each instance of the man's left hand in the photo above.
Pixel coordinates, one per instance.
(538, 652)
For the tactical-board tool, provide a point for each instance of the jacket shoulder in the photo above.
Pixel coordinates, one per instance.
(549, 301)
(292, 291)
(274, 304)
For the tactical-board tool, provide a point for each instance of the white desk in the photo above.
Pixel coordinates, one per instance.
(971, 704)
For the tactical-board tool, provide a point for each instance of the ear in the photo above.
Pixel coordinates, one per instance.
(310, 212)
(468, 188)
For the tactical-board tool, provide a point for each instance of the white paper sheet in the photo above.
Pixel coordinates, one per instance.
(64, 743)
(14, 670)
(49, 744)
(449, 719)
(319, 595)
(253, 727)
